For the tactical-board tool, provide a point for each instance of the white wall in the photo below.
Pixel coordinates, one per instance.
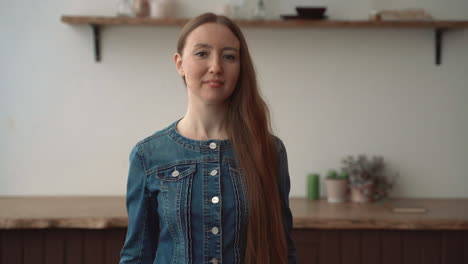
(67, 123)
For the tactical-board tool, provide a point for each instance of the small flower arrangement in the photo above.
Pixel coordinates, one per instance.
(369, 176)
(334, 175)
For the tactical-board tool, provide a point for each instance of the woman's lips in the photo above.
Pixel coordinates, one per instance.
(214, 83)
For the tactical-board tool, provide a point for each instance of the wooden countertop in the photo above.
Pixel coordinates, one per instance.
(447, 214)
(109, 212)
(94, 212)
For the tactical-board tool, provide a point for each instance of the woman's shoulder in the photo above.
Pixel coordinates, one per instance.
(154, 149)
(279, 143)
(156, 138)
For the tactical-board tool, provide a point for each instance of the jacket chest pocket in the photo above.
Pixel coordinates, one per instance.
(176, 173)
(175, 184)
(176, 177)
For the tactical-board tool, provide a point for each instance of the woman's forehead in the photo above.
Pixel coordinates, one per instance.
(212, 34)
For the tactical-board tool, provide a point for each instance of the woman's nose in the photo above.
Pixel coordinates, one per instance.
(216, 66)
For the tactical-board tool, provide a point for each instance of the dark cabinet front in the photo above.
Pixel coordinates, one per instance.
(381, 246)
(102, 246)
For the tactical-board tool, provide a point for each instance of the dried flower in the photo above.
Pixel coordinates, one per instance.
(370, 176)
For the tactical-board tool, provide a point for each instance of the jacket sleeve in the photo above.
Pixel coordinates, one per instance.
(284, 185)
(143, 223)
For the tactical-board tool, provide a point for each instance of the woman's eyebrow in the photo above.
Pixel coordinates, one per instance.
(202, 45)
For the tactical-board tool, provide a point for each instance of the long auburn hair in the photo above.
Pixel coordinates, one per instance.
(249, 130)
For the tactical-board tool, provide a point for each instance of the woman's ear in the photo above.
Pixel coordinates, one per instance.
(178, 63)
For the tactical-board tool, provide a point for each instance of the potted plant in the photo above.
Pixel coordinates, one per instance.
(337, 186)
(369, 179)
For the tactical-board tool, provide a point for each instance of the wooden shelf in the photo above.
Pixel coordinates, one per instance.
(96, 22)
(104, 21)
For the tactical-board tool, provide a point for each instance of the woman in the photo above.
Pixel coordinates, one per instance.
(213, 186)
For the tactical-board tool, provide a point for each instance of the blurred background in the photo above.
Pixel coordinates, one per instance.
(68, 123)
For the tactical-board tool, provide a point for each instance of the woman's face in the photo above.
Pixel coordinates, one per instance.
(210, 63)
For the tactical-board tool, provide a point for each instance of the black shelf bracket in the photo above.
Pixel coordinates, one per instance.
(439, 32)
(97, 41)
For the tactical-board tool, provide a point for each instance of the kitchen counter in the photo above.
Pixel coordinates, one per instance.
(94, 212)
(440, 214)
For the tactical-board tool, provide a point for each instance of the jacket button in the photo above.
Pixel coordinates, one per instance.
(212, 145)
(215, 200)
(214, 230)
(213, 172)
(175, 173)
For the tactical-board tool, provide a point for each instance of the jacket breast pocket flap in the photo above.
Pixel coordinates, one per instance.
(175, 173)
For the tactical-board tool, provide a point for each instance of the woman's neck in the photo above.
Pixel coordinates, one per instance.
(204, 123)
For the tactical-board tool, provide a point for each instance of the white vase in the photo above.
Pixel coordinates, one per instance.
(337, 190)
(162, 8)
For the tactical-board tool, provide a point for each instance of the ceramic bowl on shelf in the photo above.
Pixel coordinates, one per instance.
(310, 12)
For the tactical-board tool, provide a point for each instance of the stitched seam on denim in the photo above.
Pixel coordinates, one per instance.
(174, 164)
(189, 229)
(238, 216)
(178, 203)
(178, 217)
(221, 232)
(178, 163)
(244, 194)
(156, 135)
(143, 160)
(140, 147)
(194, 146)
(245, 208)
(146, 209)
(204, 213)
(165, 210)
(143, 233)
(189, 162)
(174, 137)
(187, 172)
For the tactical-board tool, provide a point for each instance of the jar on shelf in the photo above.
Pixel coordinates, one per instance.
(141, 8)
(162, 8)
(124, 8)
(238, 7)
(260, 11)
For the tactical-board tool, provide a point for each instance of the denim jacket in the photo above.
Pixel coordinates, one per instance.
(187, 202)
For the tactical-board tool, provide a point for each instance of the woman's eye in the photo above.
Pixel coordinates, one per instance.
(201, 54)
(230, 57)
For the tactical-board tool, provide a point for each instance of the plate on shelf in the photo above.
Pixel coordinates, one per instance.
(288, 17)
